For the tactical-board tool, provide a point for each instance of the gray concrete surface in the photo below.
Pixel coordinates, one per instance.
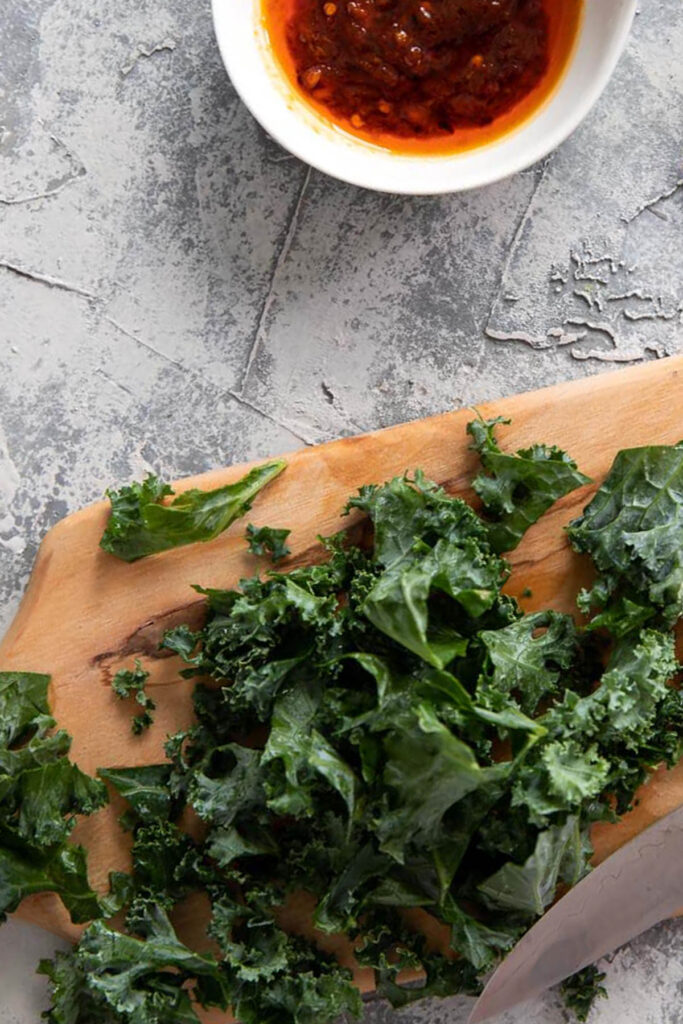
(176, 292)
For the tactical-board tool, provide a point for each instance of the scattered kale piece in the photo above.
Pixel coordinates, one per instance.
(517, 489)
(41, 793)
(633, 530)
(131, 683)
(265, 540)
(582, 989)
(140, 524)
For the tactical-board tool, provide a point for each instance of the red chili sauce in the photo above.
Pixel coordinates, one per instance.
(408, 72)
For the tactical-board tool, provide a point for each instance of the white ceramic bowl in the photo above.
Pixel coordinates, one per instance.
(286, 116)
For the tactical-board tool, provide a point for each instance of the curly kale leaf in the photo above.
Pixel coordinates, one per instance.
(131, 683)
(26, 869)
(389, 948)
(266, 540)
(48, 798)
(517, 489)
(582, 989)
(304, 752)
(633, 530)
(605, 741)
(623, 709)
(399, 603)
(405, 510)
(480, 944)
(140, 524)
(41, 794)
(526, 658)
(274, 976)
(431, 546)
(151, 979)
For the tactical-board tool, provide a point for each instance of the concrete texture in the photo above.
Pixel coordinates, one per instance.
(176, 292)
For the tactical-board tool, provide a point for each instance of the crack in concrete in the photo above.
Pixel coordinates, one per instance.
(78, 171)
(266, 416)
(143, 51)
(111, 380)
(634, 293)
(288, 239)
(592, 301)
(654, 202)
(602, 327)
(144, 344)
(46, 279)
(194, 378)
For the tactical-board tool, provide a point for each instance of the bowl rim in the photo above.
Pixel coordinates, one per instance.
(307, 149)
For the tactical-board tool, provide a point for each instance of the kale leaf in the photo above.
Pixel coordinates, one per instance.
(140, 524)
(526, 658)
(633, 530)
(530, 887)
(265, 540)
(41, 794)
(131, 683)
(146, 789)
(149, 979)
(582, 989)
(517, 489)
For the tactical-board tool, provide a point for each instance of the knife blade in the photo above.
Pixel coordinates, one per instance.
(638, 886)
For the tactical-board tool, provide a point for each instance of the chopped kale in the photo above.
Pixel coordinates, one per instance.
(141, 524)
(41, 794)
(386, 730)
(150, 978)
(517, 489)
(582, 989)
(265, 540)
(131, 683)
(633, 530)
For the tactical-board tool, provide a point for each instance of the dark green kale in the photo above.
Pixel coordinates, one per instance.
(633, 530)
(141, 524)
(150, 978)
(422, 743)
(273, 976)
(146, 789)
(131, 683)
(582, 989)
(389, 732)
(41, 794)
(265, 540)
(517, 489)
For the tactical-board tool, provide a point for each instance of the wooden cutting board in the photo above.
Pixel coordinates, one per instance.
(86, 614)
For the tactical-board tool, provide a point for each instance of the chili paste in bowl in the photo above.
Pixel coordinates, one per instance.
(423, 74)
(421, 96)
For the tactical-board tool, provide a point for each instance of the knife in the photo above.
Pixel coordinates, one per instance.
(636, 887)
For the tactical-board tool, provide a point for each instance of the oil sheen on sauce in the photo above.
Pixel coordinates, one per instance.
(423, 76)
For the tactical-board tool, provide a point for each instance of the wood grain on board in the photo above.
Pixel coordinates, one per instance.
(86, 614)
